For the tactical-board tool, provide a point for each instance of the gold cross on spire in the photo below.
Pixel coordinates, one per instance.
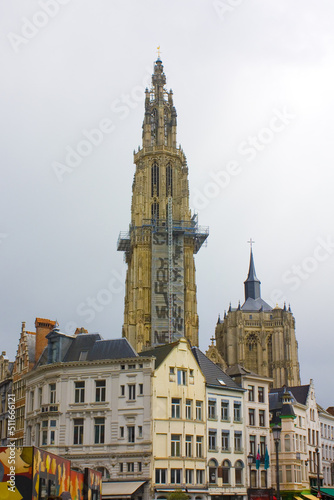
(158, 49)
(251, 242)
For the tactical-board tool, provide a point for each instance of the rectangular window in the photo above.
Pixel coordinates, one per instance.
(212, 408)
(121, 432)
(131, 434)
(175, 445)
(32, 397)
(225, 440)
(288, 474)
(141, 389)
(44, 438)
(175, 476)
(40, 396)
(189, 446)
(52, 393)
(121, 467)
(52, 437)
(251, 416)
(182, 377)
(131, 466)
(132, 391)
(78, 431)
(176, 408)
(212, 439)
(237, 411)
(139, 467)
(140, 431)
(189, 409)
(200, 476)
(122, 390)
(224, 410)
(250, 393)
(199, 413)
(100, 391)
(262, 446)
(262, 418)
(160, 476)
(237, 441)
(189, 476)
(99, 430)
(261, 394)
(79, 392)
(252, 445)
(199, 446)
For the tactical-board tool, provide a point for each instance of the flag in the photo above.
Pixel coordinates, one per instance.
(266, 460)
(258, 459)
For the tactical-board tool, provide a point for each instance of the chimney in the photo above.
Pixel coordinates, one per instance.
(43, 327)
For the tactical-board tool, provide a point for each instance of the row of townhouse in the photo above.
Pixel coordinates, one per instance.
(165, 419)
(306, 448)
(168, 418)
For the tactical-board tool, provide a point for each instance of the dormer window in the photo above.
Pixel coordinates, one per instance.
(83, 355)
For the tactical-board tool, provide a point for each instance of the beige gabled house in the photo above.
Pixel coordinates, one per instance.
(179, 415)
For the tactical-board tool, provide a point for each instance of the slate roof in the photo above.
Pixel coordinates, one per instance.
(255, 305)
(160, 352)
(212, 372)
(98, 349)
(236, 370)
(298, 394)
(31, 345)
(84, 342)
(111, 349)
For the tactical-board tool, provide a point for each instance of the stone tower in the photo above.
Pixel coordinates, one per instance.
(260, 338)
(160, 294)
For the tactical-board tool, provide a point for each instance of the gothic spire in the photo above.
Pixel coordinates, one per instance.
(252, 283)
(159, 127)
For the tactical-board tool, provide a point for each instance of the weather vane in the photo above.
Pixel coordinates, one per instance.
(158, 49)
(251, 242)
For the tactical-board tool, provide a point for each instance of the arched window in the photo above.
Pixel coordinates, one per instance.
(166, 127)
(155, 211)
(154, 180)
(213, 464)
(105, 473)
(251, 348)
(169, 180)
(226, 471)
(154, 127)
(270, 355)
(238, 467)
(287, 442)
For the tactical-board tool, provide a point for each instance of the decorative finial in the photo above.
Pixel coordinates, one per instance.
(212, 340)
(251, 241)
(158, 49)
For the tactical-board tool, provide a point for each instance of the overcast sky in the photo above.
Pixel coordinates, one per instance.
(253, 87)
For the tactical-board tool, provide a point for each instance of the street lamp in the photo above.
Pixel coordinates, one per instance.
(318, 472)
(250, 460)
(276, 430)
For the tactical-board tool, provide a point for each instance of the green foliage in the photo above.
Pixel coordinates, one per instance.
(178, 495)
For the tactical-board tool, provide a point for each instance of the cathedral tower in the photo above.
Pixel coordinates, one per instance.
(160, 294)
(260, 338)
